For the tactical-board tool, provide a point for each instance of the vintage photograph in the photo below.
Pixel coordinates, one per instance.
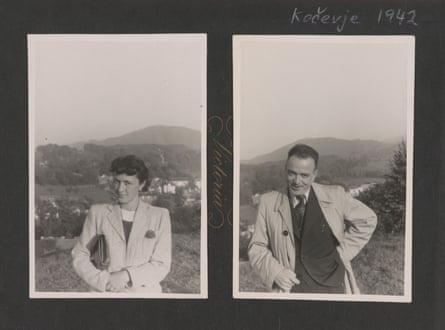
(117, 166)
(323, 156)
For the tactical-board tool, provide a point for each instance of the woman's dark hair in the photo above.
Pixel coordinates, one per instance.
(131, 165)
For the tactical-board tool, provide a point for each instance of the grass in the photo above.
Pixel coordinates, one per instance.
(184, 276)
(378, 268)
(54, 271)
(53, 268)
(249, 281)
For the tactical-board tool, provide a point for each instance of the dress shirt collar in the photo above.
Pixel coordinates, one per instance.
(295, 201)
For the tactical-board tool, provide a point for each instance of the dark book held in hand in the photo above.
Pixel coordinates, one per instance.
(99, 252)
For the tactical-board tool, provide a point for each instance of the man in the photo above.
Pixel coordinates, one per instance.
(306, 237)
(137, 236)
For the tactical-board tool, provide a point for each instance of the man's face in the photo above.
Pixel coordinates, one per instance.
(127, 187)
(301, 172)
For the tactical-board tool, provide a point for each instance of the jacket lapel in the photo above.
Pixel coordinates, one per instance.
(311, 210)
(114, 217)
(283, 207)
(328, 210)
(138, 228)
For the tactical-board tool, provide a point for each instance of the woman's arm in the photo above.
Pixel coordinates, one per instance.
(94, 277)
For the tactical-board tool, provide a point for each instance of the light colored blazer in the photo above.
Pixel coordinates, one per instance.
(270, 250)
(147, 256)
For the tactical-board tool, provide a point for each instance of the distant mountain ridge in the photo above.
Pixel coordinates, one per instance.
(160, 135)
(328, 146)
(66, 165)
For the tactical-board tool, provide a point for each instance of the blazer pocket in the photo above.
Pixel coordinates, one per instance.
(150, 234)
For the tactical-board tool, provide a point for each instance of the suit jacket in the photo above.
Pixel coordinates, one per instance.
(146, 256)
(272, 247)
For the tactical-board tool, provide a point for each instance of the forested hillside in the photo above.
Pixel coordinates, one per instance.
(65, 165)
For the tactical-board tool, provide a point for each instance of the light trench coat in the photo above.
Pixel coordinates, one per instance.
(147, 256)
(270, 251)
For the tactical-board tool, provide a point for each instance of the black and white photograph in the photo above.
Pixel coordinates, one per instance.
(323, 157)
(117, 166)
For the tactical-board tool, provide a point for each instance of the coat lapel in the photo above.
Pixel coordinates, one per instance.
(311, 209)
(329, 211)
(283, 207)
(138, 228)
(114, 217)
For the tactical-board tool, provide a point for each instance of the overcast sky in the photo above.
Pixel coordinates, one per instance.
(95, 87)
(292, 88)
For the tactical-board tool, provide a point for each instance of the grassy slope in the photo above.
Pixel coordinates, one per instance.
(249, 281)
(184, 276)
(378, 268)
(54, 271)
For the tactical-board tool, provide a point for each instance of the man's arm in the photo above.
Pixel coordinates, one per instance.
(94, 277)
(260, 254)
(159, 264)
(360, 223)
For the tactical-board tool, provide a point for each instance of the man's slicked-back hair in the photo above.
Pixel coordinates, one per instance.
(131, 165)
(303, 151)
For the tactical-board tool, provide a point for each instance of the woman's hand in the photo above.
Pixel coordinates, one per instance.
(118, 281)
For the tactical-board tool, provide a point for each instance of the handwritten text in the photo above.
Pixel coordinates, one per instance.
(323, 16)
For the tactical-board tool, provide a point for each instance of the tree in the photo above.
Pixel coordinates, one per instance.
(179, 196)
(48, 223)
(388, 199)
(186, 219)
(60, 217)
(395, 184)
(166, 201)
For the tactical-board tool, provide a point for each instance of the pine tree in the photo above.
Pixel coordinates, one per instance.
(395, 183)
(388, 199)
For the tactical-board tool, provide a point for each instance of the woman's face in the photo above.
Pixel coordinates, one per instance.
(127, 188)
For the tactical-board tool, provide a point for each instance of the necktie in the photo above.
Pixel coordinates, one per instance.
(299, 214)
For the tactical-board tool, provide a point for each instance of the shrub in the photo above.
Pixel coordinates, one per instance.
(186, 219)
(59, 217)
(166, 201)
(388, 199)
(243, 244)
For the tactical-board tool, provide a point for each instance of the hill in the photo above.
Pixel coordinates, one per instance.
(158, 135)
(341, 148)
(350, 163)
(64, 165)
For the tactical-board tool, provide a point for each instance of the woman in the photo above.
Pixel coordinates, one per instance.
(137, 236)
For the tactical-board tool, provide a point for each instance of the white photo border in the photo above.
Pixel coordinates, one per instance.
(410, 41)
(181, 37)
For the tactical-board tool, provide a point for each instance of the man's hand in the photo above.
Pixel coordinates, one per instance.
(286, 279)
(118, 281)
